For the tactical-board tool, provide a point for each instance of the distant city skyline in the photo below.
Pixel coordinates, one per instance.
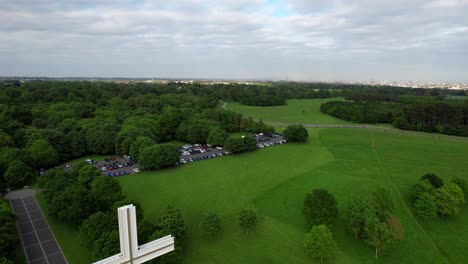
(322, 40)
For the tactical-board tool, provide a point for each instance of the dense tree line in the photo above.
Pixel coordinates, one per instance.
(44, 123)
(442, 116)
(9, 238)
(84, 198)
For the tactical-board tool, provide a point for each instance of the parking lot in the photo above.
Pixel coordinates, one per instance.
(116, 166)
(196, 152)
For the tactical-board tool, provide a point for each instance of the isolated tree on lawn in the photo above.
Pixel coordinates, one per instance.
(210, 224)
(247, 220)
(357, 212)
(449, 199)
(378, 234)
(425, 206)
(296, 133)
(171, 222)
(320, 207)
(433, 179)
(422, 186)
(319, 243)
(382, 200)
(461, 183)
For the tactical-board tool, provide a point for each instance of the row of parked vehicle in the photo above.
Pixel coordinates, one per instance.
(262, 145)
(116, 165)
(208, 156)
(117, 173)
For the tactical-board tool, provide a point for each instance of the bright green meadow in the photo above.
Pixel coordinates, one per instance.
(275, 180)
(295, 111)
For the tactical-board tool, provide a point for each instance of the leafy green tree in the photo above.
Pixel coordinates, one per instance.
(356, 214)
(422, 186)
(247, 220)
(234, 144)
(198, 133)
(319, 243)
(106, 245)
(425, 206)
(18, 174)
(378, 234)
(448, 199)
(383, 200)
(100, 234)
(159, 156)
(77, 143)
(145, 230)
(171, 222)
(250, 143)
(42, 154)
(5, 140)
(433, 179)
(87, 174)
(296, 133)
(320, 207)
(216, 137)
(169, 121)
(9, 238)
(72, 205)
(106, 191)
(139, 144)
(461, 183)
(95, 225)
(100, 138)
(210, 224)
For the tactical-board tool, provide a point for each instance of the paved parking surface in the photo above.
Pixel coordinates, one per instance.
(39, 242)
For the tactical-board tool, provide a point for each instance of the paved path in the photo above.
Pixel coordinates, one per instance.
(38, 240)
(371, 127)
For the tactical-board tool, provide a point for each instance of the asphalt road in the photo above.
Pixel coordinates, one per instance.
(38, 240)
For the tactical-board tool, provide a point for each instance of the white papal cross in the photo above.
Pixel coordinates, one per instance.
(130, 252)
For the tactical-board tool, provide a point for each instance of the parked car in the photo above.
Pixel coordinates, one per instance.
(103, 168)
(111, 174)
(117, 173)
(136, 169)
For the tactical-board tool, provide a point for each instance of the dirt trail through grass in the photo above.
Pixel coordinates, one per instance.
(402, 200)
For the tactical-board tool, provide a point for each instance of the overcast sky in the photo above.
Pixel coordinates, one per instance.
(419, 40)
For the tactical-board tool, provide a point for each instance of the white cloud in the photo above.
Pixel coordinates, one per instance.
(324, 39)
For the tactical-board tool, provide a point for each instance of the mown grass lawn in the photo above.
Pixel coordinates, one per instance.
(275, 180)
(295, 111)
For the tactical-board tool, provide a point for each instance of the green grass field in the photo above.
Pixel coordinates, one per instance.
(295, 111)
(275, 180)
